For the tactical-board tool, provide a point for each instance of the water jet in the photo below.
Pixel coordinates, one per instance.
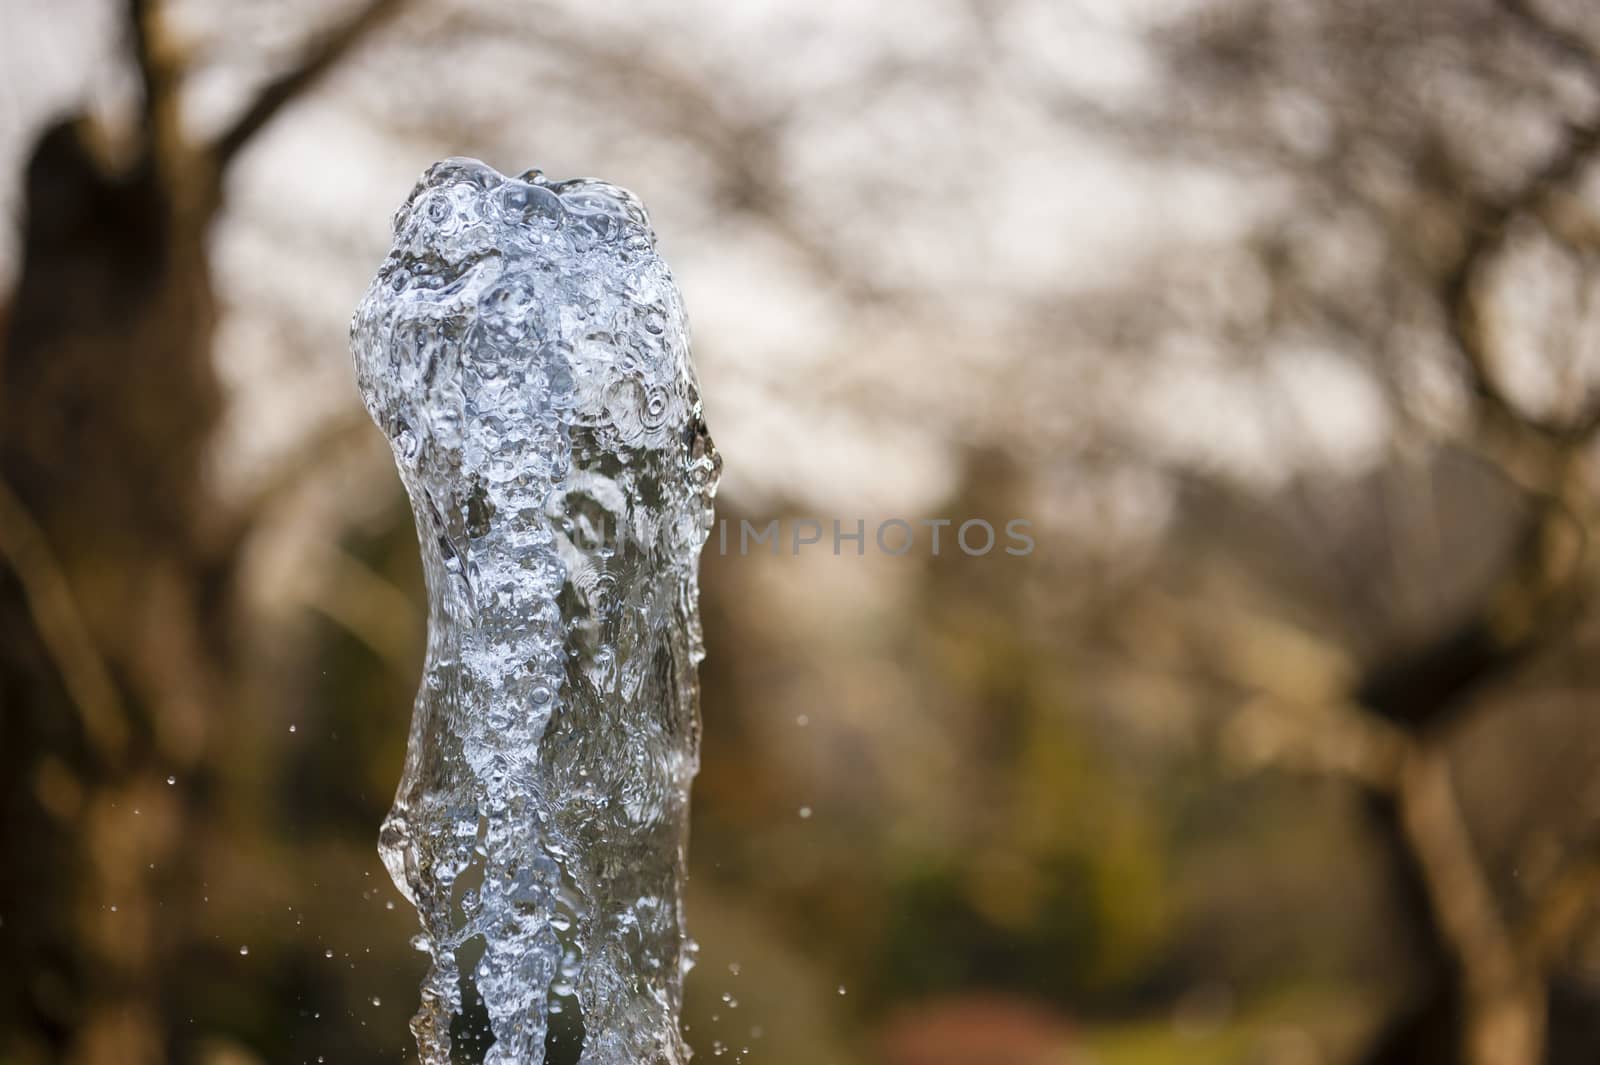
(525, 351)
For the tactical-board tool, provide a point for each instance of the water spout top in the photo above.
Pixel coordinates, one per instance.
(497, 284)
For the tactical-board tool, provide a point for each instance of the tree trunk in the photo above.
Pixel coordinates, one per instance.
(114, 603)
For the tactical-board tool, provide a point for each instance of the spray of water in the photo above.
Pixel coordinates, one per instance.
(525, 351)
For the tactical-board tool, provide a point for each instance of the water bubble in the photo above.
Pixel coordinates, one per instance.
(655, 409)
(527, 202)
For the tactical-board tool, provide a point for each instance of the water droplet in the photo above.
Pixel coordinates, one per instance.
(802, 720)
(805, 813)
(244, 951)
(292, 728)
(172, 779)
(841, 989)
(376, 1001)
(328, 953)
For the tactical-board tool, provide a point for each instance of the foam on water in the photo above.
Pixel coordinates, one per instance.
(526, 353)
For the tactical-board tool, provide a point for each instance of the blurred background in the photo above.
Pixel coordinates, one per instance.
(1278, 319)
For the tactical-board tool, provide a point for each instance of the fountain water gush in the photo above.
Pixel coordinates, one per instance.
(526, 353)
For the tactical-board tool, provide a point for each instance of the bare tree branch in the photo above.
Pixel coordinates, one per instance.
(1487, 230)
(1340, 740)
(311, 457)
(1506, 998)
(1559, 39)
(61, 627)
(160, 72)
(1537, 587)
(288, 87)
(1558, 912)
(368, 606)
(140, 21)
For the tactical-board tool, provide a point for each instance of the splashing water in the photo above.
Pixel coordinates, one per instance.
(526, 353)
